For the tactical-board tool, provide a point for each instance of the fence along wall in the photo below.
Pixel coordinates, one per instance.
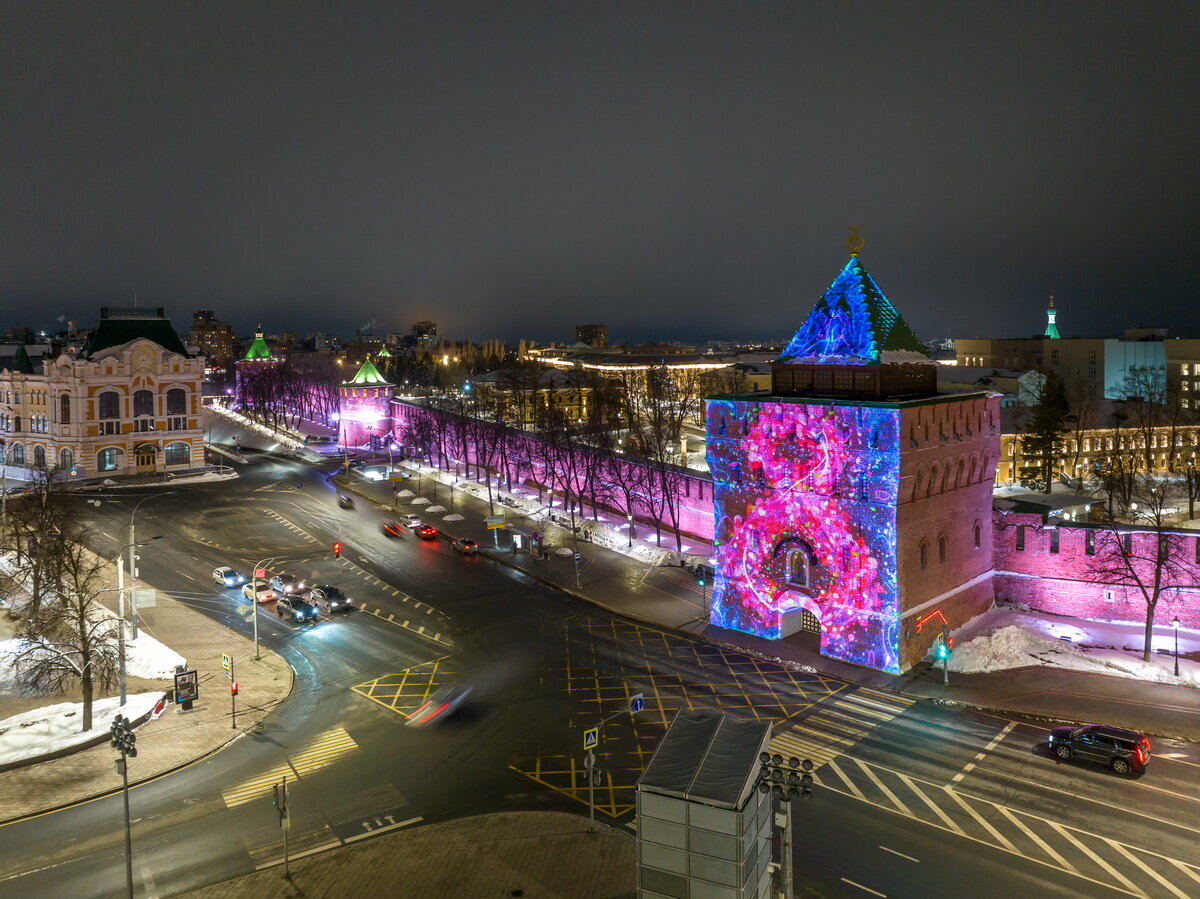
(673, 497)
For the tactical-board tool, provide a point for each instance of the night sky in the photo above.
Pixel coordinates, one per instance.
(674, 170)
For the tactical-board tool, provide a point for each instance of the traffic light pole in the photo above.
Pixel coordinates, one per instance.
(945, 655)
(124, 739)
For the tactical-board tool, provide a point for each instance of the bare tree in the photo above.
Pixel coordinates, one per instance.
(1149, 561)
(73, 638)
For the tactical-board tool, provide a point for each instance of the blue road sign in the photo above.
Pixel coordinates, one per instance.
(578, 557)
(637, 702)
(591, 738)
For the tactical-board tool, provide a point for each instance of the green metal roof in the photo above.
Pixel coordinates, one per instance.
(384, 354)
(120, 326)
(368, 376)
(258, 349)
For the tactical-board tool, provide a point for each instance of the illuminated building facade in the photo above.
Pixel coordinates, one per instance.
(853, 502)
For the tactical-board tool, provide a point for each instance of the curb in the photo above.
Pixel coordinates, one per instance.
(4, 822)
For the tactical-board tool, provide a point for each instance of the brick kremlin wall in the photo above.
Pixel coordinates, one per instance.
(1062, 582)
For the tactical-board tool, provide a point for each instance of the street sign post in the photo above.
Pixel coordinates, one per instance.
(589, 764)
(227, 664)
(637, 702)
(591, 738)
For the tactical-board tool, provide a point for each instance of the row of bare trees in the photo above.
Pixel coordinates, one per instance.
(65, 636)
(282, 394)
(578, 462)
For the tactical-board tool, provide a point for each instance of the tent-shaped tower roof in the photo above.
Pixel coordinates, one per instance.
(854, 323)
(368, 376)
(258, 349)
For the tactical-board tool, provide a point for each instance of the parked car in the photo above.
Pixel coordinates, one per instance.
(412, 521)
(427, 532)
(227, 577)
(466, 546)
(1125, 751)
(346, 502)
(441, 704)
(297, 609)
(287, 583)
(331, 599)
(392, 528)
(259, 591)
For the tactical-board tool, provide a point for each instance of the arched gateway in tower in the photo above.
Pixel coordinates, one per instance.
(853, 499)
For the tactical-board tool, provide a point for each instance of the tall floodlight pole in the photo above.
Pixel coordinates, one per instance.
(132, 546)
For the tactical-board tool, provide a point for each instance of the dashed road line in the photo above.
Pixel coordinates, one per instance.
(970, 766)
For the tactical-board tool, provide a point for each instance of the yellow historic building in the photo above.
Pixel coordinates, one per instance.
(128, 402)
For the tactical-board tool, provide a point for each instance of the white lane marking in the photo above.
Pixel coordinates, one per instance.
(847, 781)
(1185, 868)
(986, 749)
(1113, 872)
(865, 889)
(1000, 838)
(1141, 864)
(1046, 847)
(886, 792)
(384, 829)
(901, 854)
(937, 809)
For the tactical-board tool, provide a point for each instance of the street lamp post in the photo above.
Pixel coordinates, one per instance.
(1175, 624)
(254, 600)
(131, 546)
(121, 649)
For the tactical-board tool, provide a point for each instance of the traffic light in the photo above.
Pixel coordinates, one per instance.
(700, 577)
(233, 688)
(337, 549)
(940, 649)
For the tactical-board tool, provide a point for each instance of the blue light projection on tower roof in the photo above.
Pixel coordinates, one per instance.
(852, 323)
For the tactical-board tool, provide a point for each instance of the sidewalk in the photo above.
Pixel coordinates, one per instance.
(177, 738)
(1055, 694)
(532, 855)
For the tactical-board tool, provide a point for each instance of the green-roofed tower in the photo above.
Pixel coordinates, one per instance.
(365, 409)
(258, 348)
(1051, 328)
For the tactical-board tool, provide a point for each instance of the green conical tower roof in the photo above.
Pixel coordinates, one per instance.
(258, 349)
(384, 354)
(21, 361)
(1051, 328)
(368, 376)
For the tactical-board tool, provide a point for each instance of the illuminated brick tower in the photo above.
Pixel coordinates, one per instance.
(854, 501)
(365, 408)
(257, 362)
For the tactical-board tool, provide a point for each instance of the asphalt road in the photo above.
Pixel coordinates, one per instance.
(544, 666)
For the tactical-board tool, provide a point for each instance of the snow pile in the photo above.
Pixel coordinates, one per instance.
(45, 730)
(1006, 638)
(147, 658)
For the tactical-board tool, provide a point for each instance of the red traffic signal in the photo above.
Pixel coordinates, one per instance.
(337, 548)
(233, 688)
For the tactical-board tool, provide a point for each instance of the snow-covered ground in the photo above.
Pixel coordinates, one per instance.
(42, 731)
(1008, 637)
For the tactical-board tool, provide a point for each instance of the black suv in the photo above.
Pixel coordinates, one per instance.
(1125, 751)
(331, 598)
(299, 610)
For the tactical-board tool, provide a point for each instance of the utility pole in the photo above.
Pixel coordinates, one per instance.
(121, 628)
(124, 739)
(285, 819)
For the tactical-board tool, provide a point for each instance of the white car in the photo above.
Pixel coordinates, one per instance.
(411, 521)
(259, 591)
(227, 577)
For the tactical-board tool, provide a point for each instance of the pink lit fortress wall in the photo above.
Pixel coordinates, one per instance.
(1052, 569)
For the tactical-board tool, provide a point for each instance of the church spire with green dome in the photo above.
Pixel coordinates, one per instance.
(1051, 328)
(368, 376)
(258, 349)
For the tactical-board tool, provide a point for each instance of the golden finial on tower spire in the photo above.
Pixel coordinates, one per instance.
(854, 243)
(1051, 301)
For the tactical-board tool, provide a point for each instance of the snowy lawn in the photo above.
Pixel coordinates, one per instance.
(42, 731)
(1007, 637)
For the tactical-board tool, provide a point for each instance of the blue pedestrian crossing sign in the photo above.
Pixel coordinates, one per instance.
(591, 738)
(637, 702)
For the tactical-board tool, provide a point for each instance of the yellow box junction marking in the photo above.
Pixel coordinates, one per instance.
(405, 691)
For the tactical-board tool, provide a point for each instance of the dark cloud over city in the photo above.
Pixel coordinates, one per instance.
(674, 170)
